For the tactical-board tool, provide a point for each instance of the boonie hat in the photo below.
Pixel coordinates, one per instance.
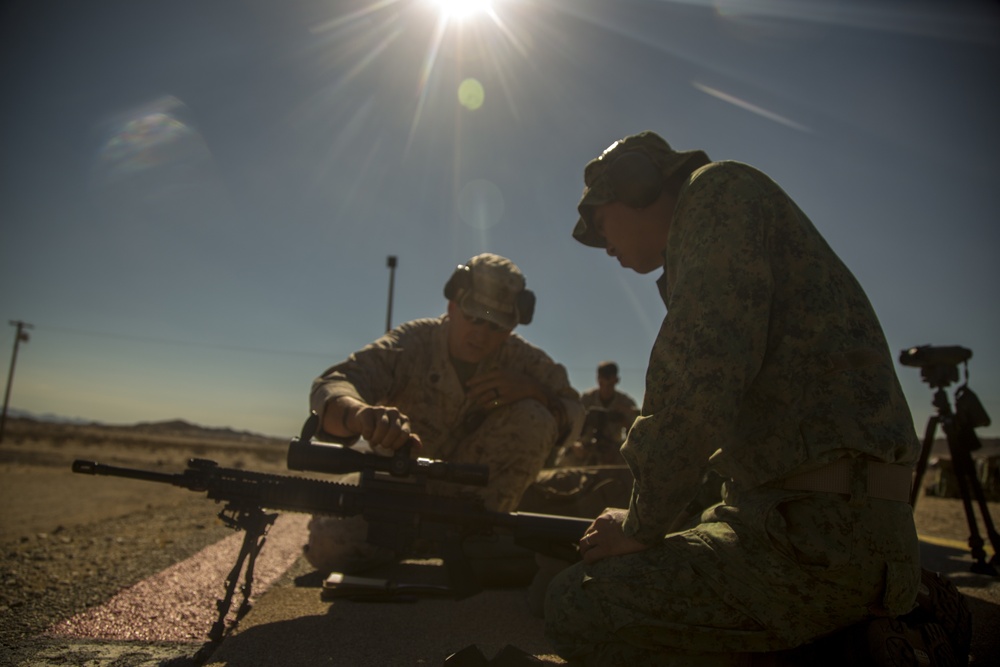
(491, 290)
(597, 189)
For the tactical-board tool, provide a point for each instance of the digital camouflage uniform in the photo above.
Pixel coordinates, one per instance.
(770, 361)
(409, 368)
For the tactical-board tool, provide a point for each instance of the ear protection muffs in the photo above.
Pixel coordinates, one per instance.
(525, 304)
(633, 178)
(461, 281)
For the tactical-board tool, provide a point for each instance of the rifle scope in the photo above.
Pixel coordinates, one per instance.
(330, 458)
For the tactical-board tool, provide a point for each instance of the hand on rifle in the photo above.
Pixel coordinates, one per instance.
(605, 537)
(385, 428)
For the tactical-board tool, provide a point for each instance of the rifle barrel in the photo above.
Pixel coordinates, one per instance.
(95, 468)
(556, 527)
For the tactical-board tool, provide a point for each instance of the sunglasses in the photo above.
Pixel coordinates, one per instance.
(479, 321)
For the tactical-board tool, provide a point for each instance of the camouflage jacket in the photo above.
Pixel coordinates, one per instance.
(409, 368)
(770, 359)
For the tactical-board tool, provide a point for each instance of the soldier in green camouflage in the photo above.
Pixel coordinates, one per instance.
(771, 369)
(463, 386)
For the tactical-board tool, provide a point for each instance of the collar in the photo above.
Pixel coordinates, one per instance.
(661, 284)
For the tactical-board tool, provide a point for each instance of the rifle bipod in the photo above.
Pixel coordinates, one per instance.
(254, 523)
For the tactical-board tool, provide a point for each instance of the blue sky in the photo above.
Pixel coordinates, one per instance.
(197, 198)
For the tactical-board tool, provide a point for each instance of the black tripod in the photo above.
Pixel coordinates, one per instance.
(959, 427)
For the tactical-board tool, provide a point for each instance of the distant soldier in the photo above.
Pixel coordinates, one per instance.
(610, 413)
(463, 386)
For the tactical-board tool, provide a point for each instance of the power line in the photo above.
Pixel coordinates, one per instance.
(181, 343)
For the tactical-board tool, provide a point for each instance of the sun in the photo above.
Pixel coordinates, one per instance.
(462, 9)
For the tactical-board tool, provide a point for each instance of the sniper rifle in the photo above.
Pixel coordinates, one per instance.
(391, 496)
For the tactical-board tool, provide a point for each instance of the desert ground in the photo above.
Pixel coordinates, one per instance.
(70, 541)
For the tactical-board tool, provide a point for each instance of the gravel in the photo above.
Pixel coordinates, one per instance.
(69, 542)
(51, 576)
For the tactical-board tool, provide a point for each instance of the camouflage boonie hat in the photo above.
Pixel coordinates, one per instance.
(597, 190)
(492, 290)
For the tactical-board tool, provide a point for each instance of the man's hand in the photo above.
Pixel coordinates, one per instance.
(605, 537)
(384, 427)
(498, 388)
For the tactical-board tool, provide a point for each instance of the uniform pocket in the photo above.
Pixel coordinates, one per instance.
(816, 531)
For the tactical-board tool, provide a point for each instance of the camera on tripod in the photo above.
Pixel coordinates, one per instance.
(931, 355)
(938, 364)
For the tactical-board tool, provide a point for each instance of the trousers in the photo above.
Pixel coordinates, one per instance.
(765, 570)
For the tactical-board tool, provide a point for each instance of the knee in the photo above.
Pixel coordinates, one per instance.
(332, 540)
(340, 545)
(531, 420)
(559, 596)
(571, 624)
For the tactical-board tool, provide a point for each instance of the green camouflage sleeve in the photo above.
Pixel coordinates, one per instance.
(709, 347)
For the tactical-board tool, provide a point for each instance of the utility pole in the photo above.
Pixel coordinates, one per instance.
(390, 261)
(22, 336)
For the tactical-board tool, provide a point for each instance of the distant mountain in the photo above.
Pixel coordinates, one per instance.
(176, 427)
(181, 427)
(46, 417)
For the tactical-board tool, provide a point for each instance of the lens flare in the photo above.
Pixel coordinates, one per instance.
(480, 204)
(155, 167)
(471, 94)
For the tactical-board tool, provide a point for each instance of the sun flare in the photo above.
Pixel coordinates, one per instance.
(462, 9)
